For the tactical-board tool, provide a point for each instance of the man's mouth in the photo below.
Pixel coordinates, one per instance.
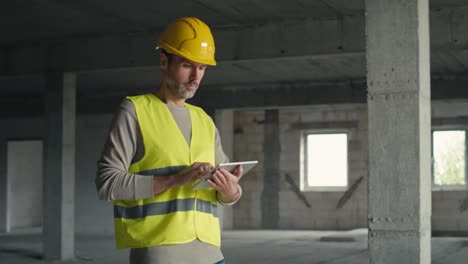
(191, 85)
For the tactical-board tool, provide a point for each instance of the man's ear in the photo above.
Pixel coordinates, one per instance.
(163, 62)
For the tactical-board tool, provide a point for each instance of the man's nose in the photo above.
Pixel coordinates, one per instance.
(196, 74)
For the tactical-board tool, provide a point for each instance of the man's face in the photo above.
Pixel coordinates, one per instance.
(184, 76)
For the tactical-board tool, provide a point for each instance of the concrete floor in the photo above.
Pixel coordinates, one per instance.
(240, 247)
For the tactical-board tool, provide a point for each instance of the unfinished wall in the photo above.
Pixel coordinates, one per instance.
(91, 215)
(248, 145)
(302, 210)
(24, 183)
(450, 208)
(11, 130)
(324, 211)
(320, 210)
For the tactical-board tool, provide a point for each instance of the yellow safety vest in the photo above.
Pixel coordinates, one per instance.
(177, 215)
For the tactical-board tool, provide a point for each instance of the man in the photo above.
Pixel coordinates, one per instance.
(157, 149)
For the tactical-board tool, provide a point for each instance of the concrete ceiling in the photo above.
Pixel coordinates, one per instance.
(110, 43)
(24, 21)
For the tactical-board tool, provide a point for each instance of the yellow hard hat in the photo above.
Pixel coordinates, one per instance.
(190, 38)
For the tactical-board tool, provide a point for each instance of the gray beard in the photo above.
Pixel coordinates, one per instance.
(179, 92)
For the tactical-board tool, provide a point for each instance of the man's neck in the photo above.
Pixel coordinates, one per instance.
(167, 97)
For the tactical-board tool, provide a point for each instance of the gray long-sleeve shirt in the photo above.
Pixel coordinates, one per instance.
(124, 146)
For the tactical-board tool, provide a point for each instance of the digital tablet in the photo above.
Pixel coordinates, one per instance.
(246, 166)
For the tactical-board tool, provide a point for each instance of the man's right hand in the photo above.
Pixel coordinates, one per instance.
(188, 175)
(194, 172)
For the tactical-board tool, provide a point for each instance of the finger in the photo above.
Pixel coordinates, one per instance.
(214, 185)
(220, 177)
(229, 173)
(201, 167)
(226, 182)
(202, 171)
(196, 172)
(209, 167)
(204, 168)
(196, 164)
(230, 177)
(238, 171)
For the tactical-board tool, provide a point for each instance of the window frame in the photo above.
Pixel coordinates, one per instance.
(304, 186)
(436, 187)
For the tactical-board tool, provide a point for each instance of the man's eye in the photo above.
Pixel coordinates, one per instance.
(186, 65)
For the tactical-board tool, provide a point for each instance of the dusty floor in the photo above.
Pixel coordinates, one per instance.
(240, 247)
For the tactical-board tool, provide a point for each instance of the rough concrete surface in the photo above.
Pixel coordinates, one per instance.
(239, 247)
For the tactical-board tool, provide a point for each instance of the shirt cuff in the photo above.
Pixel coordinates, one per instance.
(231, 203)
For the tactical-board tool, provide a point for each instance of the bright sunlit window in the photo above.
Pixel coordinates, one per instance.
(325, 161)
(449, 159)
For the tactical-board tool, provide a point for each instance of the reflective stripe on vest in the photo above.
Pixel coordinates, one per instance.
(163, 171)
(168, 207)
(177, 215)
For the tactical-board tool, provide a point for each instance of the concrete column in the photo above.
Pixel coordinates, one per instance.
(4, 225)
(59, 167)
(270, 194)
(398, 82)
(225, 123)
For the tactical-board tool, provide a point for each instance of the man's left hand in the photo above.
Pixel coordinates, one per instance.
(225, 183)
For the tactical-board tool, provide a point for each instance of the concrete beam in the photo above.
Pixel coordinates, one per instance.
(18, 106)
(449, 88)
(448, 28)
(290, 38)
(245, 96)
(282, 94)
